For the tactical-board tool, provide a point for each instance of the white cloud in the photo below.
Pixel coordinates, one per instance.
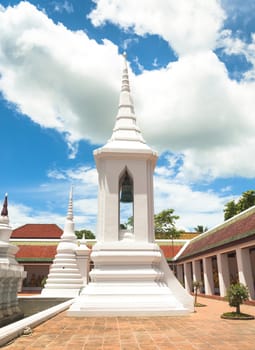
(188, 26)
(20, 214)
(194, 109)
(234, 45)
(63, 6)
(194, 207)
(53, 196)
(73, 88)
(190, 107)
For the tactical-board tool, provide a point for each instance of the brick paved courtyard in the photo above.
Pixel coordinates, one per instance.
(202, 330)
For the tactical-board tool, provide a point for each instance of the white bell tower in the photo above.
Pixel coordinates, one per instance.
(130, 274)
(125, 154)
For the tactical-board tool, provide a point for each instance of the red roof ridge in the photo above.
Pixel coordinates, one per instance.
(37, 231)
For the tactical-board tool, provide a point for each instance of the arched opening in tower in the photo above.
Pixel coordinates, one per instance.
(126, 206)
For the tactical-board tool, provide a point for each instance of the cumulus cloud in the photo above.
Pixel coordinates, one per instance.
(64, 80)
(63, 6)
(53, 196)
(20, 214)
(193, 108)
(193, 206)
(188, 26)
(232, 44)
(58, 77)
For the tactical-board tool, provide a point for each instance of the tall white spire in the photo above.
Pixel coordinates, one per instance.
(125, 128)
(70, 205)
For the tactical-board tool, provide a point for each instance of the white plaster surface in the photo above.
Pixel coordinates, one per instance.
(64, 279)
(11, 273)
(130, 274)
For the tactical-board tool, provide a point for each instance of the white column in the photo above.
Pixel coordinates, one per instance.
(179, 269)
(83, 261)
(196, 271)
(245, 270)
(208, 276)
(188, 277)
(223, 273)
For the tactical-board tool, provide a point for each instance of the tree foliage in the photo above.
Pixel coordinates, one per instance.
(87, 233)
(230, 210)
(236, 294)
(233, 208)
(165, 225)
(200, 229)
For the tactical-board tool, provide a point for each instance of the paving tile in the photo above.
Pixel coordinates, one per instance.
(202, 330)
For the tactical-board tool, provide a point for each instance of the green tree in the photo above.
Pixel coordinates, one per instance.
(87, 233)
(165, 224)
(230, 210)
(200, 229)
(130, 222)
(236, 294)
(246, 201)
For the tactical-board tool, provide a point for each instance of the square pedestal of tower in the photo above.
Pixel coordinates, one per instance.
(131, 280)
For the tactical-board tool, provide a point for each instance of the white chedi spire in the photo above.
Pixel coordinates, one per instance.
(125, 128)
(70, 205)
(11, 273)
(69, 234)
(7, 250)
(5, 229)
(4, 219)
(64, 279)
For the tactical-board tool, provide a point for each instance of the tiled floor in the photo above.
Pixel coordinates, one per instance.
(202, 330)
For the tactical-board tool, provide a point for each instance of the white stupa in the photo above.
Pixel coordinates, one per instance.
(64, 279)
(11, 273)
(130, 274)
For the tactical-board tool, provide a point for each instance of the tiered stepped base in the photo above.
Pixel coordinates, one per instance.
(64, 279)
(131, 279)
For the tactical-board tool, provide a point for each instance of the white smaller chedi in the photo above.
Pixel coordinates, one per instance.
(65, 279)
(11, 273)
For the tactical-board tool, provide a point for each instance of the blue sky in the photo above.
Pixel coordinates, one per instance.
(192, 75)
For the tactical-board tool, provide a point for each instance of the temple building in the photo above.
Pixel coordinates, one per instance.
(37, 245)
(221, 256)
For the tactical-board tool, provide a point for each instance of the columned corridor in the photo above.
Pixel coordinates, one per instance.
(218, 271)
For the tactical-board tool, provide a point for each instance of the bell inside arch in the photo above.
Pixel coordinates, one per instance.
(126, 195)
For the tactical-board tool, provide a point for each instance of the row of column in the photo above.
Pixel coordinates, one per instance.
(216, 269)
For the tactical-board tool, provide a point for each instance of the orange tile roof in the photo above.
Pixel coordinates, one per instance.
(48, 252)
(37, 231)
(170, 251)
(36, 252)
